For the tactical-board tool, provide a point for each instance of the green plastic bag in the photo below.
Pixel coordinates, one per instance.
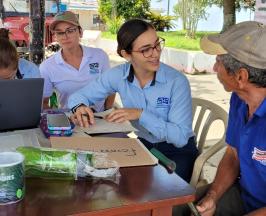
(66, 164)
(49, 163)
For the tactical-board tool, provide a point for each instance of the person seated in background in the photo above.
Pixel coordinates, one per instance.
(25, 69)
(240, 182)
(8, 60)
(155, 96)
(74, 66)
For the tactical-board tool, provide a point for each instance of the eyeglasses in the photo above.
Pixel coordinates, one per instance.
(148, 52)
(67, 33)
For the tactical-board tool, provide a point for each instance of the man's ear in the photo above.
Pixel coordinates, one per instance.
(126, 55)
(242, 77)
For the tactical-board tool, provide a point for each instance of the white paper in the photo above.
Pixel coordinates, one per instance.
(9, 141)
(103, 126)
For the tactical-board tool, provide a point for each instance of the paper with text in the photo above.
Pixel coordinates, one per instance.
(125, 151)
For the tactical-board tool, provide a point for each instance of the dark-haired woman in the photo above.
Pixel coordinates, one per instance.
(156, 97)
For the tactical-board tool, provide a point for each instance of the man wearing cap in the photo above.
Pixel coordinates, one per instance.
(74, 65)
(240, 184)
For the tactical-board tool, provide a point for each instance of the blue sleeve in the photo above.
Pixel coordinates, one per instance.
(96, 90)
(178, 127)
(28, 69)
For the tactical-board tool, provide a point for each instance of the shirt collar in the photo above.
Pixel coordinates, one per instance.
(261, 110)
(87, 53)
(159, 76)
(19, 75)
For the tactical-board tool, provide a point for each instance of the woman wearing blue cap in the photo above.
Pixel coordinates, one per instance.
(156, 97)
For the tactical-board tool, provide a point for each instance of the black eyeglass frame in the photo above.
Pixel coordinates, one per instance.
(158, 46)
(66, 33)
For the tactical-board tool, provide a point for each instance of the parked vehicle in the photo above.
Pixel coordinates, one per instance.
(15, 17)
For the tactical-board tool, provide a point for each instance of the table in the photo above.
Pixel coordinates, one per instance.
(147, 190)
(140, 191)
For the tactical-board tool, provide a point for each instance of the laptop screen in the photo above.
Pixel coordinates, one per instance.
(20, 103)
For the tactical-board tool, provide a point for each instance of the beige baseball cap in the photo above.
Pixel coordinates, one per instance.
(244, 41)
(66, 16)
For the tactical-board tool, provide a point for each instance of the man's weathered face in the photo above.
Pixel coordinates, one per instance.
(227, 80)
(8, 73)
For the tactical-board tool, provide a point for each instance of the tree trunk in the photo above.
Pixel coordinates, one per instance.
(2, 13)
(229, 11)
(37, 18)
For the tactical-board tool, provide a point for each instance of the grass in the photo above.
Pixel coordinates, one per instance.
(173, 39)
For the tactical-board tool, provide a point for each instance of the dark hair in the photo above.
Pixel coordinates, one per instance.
(256, 76)
(8, 54)
(129, 32)
(4, 33)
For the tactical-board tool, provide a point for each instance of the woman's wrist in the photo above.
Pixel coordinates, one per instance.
(74, 109)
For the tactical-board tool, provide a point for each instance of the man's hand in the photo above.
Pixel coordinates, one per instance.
(83, 116)
(123, 114)
(207, 205)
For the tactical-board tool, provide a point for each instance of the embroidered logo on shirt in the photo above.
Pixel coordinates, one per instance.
(94, 68)
(259, 155)
(163, 102)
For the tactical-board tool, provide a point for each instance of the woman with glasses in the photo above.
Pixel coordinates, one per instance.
(155, 96)
(74, 66)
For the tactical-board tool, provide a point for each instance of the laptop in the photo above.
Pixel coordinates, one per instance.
(20, 103)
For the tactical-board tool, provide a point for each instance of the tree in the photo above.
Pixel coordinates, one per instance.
(229, 10)
(126, 9)
(190, 12)
(129, 9)
(160, 22)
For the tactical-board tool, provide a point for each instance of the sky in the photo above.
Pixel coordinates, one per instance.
(214, 21)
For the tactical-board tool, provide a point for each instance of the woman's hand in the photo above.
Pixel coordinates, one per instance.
(123, 114)
(207, 205)
(83, 116)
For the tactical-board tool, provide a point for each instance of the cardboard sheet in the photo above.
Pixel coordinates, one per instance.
(125, 151)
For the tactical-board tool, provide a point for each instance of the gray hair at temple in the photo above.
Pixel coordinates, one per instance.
(255, 75)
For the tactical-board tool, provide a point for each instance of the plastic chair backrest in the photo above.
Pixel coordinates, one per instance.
(205, 113)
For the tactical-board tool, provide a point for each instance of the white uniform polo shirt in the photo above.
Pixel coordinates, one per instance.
(66, 79)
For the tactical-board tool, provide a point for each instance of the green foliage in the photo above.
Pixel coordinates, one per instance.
(190, 12)
(238, 3)
(161, 23)
(114, 24)
(173, 39)
(105, 10)
(127, 9)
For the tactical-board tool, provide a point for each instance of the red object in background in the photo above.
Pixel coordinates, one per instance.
(19, 29)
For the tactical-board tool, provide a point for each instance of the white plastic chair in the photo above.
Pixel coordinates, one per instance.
(205, 113)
